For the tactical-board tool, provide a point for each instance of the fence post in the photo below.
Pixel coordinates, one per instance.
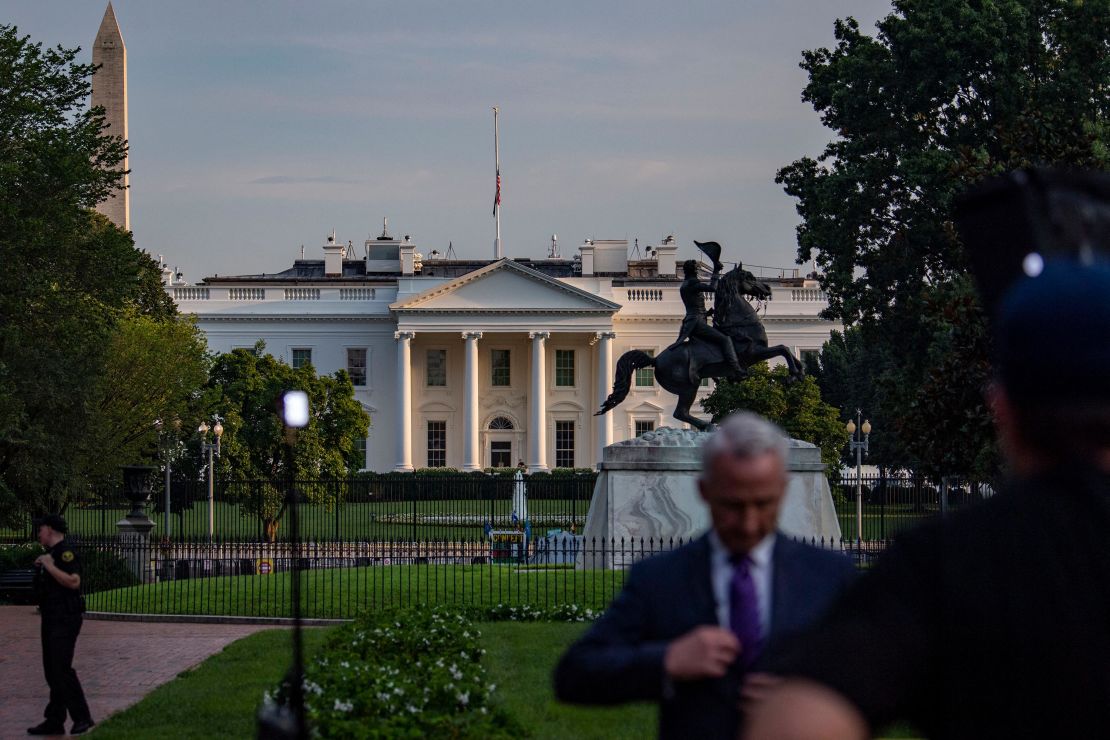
(944, 495)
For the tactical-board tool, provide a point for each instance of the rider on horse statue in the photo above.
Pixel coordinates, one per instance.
(693, 292)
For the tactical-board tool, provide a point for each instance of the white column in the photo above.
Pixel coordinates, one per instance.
(470, 402)
(604, 381)
(404, 402)
(537, 429)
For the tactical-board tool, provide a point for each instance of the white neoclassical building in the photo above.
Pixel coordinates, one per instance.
(473, 364)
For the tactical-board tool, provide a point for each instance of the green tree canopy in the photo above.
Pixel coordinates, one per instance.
(946, 93)
(67, 275)
(243, 390)
(796, 407)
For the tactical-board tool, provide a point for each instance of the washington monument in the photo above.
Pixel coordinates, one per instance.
(109, 90)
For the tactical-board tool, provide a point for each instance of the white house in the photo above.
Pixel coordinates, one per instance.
(471, 363)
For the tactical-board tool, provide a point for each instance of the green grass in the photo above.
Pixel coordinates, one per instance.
(218, 698)
(353, 521)
(343, 592)
(521, 658)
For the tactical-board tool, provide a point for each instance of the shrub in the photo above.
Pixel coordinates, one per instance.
(18, 556)
(103, 571)
(413, 673)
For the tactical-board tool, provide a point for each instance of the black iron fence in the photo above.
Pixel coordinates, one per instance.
(888, 505)
(385, 507)
(342, 578)
(460, 508)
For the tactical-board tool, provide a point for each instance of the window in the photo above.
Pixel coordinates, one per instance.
(356, 365)
(643, 427)
(704, 383)
(564, 444)
(645, 376)
(499, 362)
(360, 453)
(564, 367)
(301, 357)
(436, 367)
(437, 444)
(500, 422)
(500, 454)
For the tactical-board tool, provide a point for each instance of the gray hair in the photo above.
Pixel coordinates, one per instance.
(744, 434)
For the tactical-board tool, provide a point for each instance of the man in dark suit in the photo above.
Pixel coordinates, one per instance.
(994, 622)
(689, 627)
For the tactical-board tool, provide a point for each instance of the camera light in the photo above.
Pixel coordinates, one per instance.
(294, 409)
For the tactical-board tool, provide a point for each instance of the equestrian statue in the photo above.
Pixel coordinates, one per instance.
(734, 341)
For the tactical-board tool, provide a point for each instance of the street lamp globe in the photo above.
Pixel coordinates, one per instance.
(850, 426)
(866, 428)
(218, 430)
(203, 428)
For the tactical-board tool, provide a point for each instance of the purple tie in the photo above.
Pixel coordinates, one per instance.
(744, 611)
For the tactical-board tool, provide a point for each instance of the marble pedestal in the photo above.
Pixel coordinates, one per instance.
(134, 538)
(646, 498)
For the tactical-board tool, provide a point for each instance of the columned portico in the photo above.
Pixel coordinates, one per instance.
(404, 401)
(604, 377)
(471, 459)
(537, 429)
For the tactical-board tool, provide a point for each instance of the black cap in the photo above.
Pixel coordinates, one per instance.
(54, 521)
(1052, 336)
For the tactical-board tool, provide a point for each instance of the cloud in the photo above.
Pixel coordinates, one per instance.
(302, 180)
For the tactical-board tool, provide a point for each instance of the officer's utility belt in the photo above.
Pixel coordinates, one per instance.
(66, 606)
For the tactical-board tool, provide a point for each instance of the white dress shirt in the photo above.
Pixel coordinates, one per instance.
(720, 573)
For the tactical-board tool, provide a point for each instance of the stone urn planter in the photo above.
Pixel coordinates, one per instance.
(136, 487)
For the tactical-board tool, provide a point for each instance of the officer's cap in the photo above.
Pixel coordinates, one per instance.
(54, 521)
(1052, 337)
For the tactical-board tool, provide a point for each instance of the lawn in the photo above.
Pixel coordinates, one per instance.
(420, 519)
(523, 655)
(220, 697)
(342, 592)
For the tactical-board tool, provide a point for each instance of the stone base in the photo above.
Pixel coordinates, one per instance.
(134, 536)
(646, 498)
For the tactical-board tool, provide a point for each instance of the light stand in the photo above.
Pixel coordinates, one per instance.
(213, 450)
(287, 722)
(858, 444)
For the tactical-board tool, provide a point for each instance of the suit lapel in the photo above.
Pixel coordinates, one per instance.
(699, 580)
(784, 586)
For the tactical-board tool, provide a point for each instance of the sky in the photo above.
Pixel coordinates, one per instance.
(258, 127)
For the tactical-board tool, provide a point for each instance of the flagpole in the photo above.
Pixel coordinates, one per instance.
(497, 196)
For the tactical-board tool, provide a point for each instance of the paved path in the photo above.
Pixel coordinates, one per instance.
(118, 662)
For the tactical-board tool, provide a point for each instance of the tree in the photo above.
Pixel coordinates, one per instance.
(946, 93)
(67, 275)
(243, 388)
(153, 371)
(796, 407)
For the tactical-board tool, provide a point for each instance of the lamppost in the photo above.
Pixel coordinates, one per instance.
(168, 439)
(213, 450)
(858, 445)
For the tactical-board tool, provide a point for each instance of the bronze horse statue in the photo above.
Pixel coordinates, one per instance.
(681, 367)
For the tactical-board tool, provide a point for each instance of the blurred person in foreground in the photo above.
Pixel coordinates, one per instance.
(688, 629)
(58, 581)
(994, 622)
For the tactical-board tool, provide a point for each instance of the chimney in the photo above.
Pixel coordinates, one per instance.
(408, 256)
(665, 254)
(587, 252)
(333, 257)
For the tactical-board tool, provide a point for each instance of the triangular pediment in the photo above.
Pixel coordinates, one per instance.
(505, 286)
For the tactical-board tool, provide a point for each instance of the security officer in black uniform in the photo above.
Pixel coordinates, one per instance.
(59, 586)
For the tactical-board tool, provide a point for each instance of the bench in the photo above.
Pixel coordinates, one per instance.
(18, 585)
